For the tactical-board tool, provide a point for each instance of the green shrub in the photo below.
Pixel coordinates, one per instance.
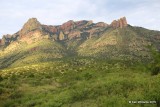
(155, 70)
(1, 90)
(16, 95)
(87, 76)
(1, 79)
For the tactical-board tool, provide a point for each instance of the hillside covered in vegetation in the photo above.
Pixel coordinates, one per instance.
(80, 64)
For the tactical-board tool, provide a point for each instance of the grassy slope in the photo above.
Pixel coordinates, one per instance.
(41, 51)
(126, 43)
(78, 82)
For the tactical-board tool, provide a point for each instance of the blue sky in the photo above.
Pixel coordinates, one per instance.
(14, 13)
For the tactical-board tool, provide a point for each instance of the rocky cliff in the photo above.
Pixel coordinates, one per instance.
(67, 31)
(30, 25)
(122, 22)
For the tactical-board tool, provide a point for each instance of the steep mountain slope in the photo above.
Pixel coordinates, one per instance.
(121, 43)
(36, 42)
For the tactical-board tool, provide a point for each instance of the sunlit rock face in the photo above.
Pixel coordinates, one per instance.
(67, 31)
(30, 25)
(122, 22)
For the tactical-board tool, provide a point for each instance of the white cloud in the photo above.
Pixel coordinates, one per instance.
(14, 13)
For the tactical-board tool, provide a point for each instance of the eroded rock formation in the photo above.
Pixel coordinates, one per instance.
(33, 29)
(30, 25)
(120, 23)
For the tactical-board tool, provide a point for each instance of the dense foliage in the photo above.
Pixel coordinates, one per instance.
(79, 82)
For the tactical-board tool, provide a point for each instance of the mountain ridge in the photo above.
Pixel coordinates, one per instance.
(67, 28)
(36, 42)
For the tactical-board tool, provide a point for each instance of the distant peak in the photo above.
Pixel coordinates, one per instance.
(120, 23)
(30, 25)
(32, 19)
(68, 25)
(71, 21)
(32, 22)
(101, 24)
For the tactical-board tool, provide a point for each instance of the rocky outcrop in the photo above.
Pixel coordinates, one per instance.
(50, 29)
(6, 39)
(68, 30)
(101, 24)
(30, 25)
(74, 34)
(61, 36)
(121, 23)
(89, 23)
(67, 26)
(81, 23)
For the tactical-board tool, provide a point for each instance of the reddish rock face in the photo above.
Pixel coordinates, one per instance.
(51, 29)
(80, 23)
(0, 41)
(74, 34)
(122, 22)
(101, 24)
(65, 31)
(67, 26)
(30, 25)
